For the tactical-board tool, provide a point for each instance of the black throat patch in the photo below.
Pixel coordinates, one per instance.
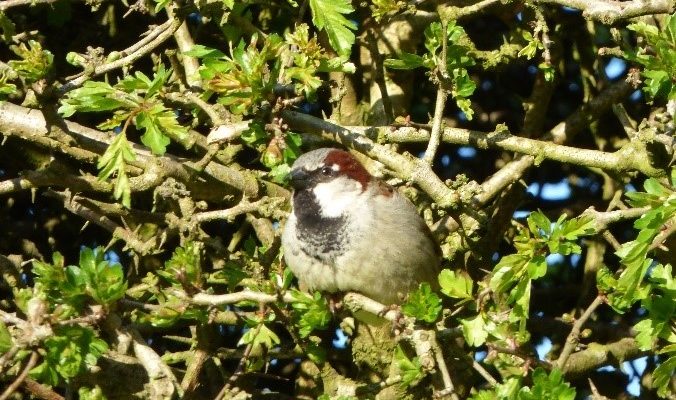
(324, 236)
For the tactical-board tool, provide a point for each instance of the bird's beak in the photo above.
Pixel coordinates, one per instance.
(300, 178)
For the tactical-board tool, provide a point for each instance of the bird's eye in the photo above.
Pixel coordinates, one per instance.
(327, 171)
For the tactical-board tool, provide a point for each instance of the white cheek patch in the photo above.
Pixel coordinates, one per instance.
(336, 196)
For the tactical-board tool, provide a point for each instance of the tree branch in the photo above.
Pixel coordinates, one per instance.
(626, 159)
(265, 203)
(574, 337)
(610, 12)
(597, 355)
(22, 376)
(166, 31)
(14, 3)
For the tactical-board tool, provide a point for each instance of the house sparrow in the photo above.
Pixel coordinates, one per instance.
(349, 231)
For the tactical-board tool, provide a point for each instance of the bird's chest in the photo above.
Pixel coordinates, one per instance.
(324, 238)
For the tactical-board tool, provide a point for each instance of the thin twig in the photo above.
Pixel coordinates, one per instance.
(22, 376)
(440, 104)
(443, 369)
(240, 367)
(133, 241)
(574, 337)
(485, 374)
(669, 228)
(126, 60)
(41, 391)
(242, 208)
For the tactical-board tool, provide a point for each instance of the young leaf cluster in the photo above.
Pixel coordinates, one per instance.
(135, 99)
(34, 63)
(309, 58)
(184, 267)
(69, 288)
(68, 353)
(458, 58)
(410, 369)
(243, 80)
(545, 386)
(513, 274)
(310, 312)
(658, 58)
(248, 77)
(629, 287)
(259, 336)
(659, 325)
(422, 304)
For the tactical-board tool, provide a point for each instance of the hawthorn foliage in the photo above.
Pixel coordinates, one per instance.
(143, 176)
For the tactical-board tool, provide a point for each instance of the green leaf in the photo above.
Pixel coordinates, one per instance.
(68, 353)
(605, 280)
(200, 51)
(663, 374)
(463, 85)
(35, 63)
(92, 96)
(153, 137)
(410, 369)
(456, 285)
(423, 304)
(104, 280)
(548, 71)
(259, 337)
(316, 354)
(5, 338)
(508, 272)
(629, 289)
(95, 393)
(160, 5)
(184, 266)
(657, 54)
(546, 386)
(310, 312)
(645, 334)
(538, 223)
(474, 330)
(520, 297)
(537, 267)
(328, 15)
(114, 162)
(232, 273)
(7, 27)
(507, 390)
(404, 60)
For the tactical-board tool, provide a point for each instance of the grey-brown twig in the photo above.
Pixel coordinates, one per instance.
(574, 337)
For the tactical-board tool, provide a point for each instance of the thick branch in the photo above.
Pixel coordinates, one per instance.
(609, 11)
(14, 3)
(626, 159)
(597, 355)
(30, 124)
(185, 42)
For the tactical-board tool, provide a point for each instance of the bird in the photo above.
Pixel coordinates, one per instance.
(349, 231)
